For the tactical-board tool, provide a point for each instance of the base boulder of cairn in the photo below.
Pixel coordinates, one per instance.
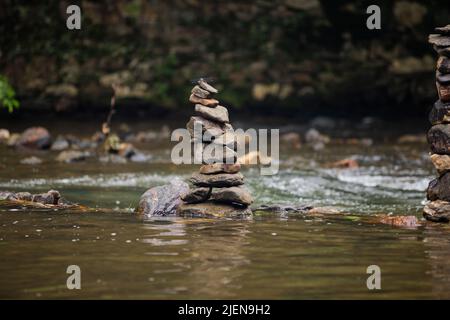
(218, 186)
(438, 191)
(211, 209)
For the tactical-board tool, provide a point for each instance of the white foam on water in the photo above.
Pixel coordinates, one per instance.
(117, 180)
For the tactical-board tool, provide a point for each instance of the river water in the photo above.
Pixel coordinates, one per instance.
(268, 256)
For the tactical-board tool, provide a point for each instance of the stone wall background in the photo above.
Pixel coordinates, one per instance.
(280, 57)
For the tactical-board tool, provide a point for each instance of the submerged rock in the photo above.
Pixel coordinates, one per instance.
(162, 200)
(344, 164)
(292, 139)
(437, 211)
(34, 138)
(400, 221)
(70, 156)
(31, 161)
(113, 158)
(60, 144)
(212, 210)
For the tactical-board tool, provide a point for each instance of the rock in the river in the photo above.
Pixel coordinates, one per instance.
(213, 128)
(196, 195)
(219, 113)
(439, 138)
(199, 92)
(217, 180)
(344, 164)
(440, 113)
(162, 200)
(50, 197)
(206, 102)
(60, 144)
(70, 156)
(35, 138)
(206, 86)
(31, 161)
(316, 139)
(443, 91)
(443, 65)
(212, 210)
(113, 158)
(220, 168)
(292, 139)
(4, 135)
(441, 162)
(239, 195)
(400, 221)
(439, 188)
(437, 211)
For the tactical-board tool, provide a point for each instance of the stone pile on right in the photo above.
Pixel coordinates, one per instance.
(438, 191)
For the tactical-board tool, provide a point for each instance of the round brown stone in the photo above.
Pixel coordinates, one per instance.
(439, 138)
(440, 113)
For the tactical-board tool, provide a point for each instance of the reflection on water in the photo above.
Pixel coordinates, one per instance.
(268, 256)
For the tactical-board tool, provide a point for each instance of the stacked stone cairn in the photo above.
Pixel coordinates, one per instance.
(438, 192)
(218, 187)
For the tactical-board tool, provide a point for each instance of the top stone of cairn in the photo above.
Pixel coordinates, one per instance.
(206, 86)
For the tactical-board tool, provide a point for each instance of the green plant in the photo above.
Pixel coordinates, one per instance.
(7, 95)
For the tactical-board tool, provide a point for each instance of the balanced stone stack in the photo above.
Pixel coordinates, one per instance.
(438, 192)
(218, 188)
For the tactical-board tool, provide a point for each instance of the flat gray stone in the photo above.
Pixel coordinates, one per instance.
(220, 168)
(239, 195)
(212, 128)
(196, 195)
(439, 40)
(206, 86)
(217, 180)
(199, 92)
(206, 102)
(218, 113)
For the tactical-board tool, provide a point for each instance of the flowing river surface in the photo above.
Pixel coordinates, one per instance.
(268, 256)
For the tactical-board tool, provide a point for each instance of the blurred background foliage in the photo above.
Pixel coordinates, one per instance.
(279, 57)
